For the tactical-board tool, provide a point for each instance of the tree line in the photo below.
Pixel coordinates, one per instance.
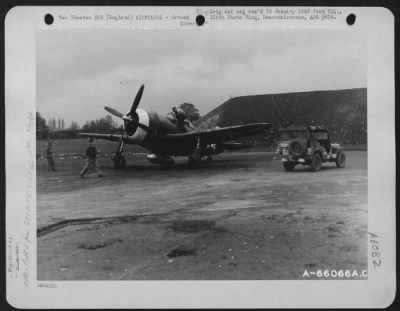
(56, 128)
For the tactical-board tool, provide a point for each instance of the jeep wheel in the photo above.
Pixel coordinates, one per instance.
(341, 160)
(288, 166)
(296, 148)
(316, 162)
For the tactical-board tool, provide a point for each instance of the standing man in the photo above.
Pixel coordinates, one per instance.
(91, 153)
(50, 155)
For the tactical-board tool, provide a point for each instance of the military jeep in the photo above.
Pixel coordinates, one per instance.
(308, 146)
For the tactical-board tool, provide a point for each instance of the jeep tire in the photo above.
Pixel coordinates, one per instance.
(296, 148)
(316, 162)
(341, 160)
(289, 166)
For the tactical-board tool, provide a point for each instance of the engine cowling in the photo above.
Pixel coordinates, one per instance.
(161, 160)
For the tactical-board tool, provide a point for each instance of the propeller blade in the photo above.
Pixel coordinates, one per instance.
(137, 100)
(144, 127)
(114, 112)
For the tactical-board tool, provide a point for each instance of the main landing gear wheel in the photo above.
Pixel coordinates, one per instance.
(192, 162)
(288, 166)
(119, 161)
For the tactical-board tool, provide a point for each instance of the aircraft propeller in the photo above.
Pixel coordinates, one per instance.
(131, 119)
(114, 112)
(136, 101)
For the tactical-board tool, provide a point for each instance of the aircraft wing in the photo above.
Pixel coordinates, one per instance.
(218, 135)
(111, 137)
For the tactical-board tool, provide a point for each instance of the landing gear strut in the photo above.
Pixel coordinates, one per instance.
(117, 158)
(194, 159)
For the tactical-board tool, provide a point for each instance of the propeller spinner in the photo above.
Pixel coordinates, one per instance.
(131, 119)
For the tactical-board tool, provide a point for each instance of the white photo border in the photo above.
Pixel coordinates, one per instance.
(23, 289)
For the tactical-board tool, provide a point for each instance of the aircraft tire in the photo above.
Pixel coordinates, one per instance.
(119, 162)
(192, 162)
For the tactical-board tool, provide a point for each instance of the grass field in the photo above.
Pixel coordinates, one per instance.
(77, 147)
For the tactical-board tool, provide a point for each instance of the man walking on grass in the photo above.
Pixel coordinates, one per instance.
(50, 155)
(91, 153)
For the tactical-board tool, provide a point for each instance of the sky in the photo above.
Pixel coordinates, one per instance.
(81, 71)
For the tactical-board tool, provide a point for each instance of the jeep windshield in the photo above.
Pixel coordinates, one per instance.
(288, 135)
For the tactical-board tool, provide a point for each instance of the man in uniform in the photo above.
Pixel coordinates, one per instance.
(50, 155)
(91, 153)
(183, 123)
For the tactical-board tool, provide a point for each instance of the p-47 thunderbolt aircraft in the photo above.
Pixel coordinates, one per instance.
(173, 135)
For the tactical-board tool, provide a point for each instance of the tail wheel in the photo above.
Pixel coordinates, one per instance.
(316, 162)
(288, 166)
(341, 160)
